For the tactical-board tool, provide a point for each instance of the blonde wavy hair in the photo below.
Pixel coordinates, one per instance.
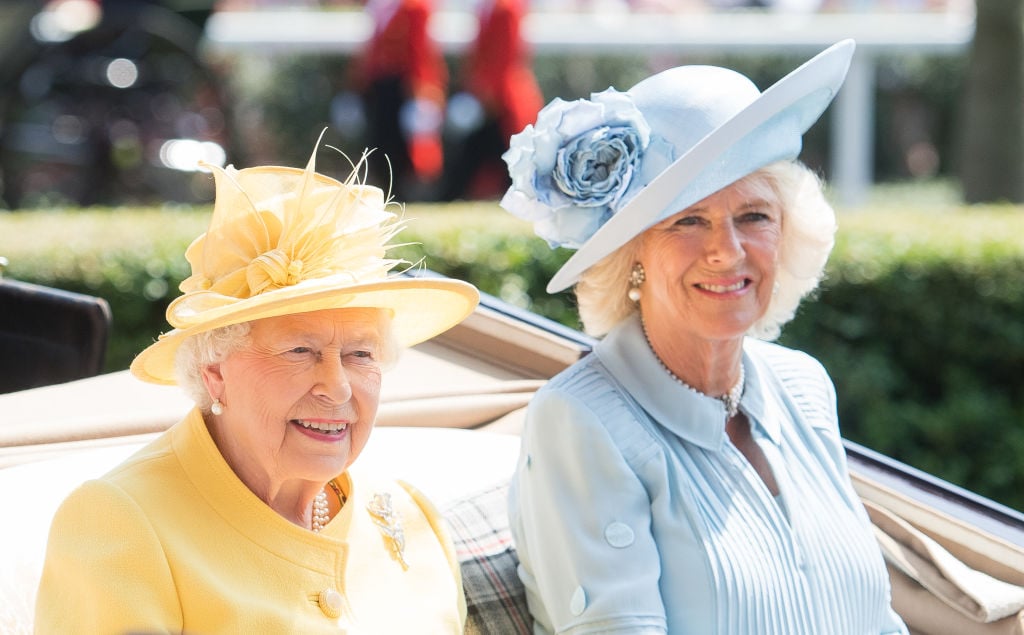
(808, 235)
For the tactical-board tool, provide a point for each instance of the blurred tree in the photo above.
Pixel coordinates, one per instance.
(992, 164)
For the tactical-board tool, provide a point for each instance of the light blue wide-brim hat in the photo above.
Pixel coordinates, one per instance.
(721, 128)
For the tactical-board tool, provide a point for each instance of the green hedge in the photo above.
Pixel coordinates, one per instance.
(920, 319)
(921, 324)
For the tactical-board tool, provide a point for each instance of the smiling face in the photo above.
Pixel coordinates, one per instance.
(301, 398)
(710, 269)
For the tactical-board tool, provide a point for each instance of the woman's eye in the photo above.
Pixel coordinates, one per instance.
(756, 217)
(299, 353)
(688, 221)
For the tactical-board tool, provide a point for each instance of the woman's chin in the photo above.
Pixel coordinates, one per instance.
(327, 454)
(321, 468)
(726, 329)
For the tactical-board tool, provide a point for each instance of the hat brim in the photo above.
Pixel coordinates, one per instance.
(807, 91)
(421, 308)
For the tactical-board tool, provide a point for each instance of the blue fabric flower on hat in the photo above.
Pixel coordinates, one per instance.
(572, 169)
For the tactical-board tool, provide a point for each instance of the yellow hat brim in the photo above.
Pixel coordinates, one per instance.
(421, 308)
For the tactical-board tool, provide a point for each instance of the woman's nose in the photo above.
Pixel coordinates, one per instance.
(723, 245)
(332, 380)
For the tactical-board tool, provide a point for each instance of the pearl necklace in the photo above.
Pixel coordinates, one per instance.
(321, 514)
(731, 399)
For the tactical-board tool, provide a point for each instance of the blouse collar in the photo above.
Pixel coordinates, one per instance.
(685, 412)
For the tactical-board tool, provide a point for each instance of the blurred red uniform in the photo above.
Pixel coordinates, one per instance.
(403, 79)
(498, 69)
(497, 72)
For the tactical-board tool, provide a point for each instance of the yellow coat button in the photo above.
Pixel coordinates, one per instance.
(330, 602)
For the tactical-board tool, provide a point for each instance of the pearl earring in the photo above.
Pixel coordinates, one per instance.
(636, 278)
(217, 407)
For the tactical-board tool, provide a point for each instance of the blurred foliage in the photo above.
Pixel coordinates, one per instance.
(919, 324)
(492, 249)
(132, 258)
(919, 320)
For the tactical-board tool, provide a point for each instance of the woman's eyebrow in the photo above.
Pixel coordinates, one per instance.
(756, 203)
(368, 336)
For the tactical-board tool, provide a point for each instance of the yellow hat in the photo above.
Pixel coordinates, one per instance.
(283, 241)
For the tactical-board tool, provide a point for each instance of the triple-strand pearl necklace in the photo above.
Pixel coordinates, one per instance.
(321, 512)
(731, 399)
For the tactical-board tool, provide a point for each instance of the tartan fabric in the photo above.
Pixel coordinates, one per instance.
(495, 597)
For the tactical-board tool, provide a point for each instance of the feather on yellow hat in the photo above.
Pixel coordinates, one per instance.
(283, 240)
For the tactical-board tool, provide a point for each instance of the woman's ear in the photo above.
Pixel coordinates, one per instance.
(213, 379)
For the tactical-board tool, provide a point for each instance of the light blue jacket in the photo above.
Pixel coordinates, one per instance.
(633, 512)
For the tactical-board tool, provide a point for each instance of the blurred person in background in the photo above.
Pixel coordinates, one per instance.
(403, 80)
(499, 96)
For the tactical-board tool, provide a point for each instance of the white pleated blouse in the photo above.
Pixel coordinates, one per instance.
(633, 512)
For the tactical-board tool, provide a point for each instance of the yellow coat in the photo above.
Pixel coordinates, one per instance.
(172, 541)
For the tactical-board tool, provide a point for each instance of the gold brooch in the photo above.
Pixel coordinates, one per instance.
(390, 524)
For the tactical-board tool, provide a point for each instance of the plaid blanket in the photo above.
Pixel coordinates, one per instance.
(495, 598)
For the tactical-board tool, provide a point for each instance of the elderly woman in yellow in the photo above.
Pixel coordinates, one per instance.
(249, 516)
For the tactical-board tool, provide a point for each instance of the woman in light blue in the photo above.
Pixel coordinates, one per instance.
(688, 476)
